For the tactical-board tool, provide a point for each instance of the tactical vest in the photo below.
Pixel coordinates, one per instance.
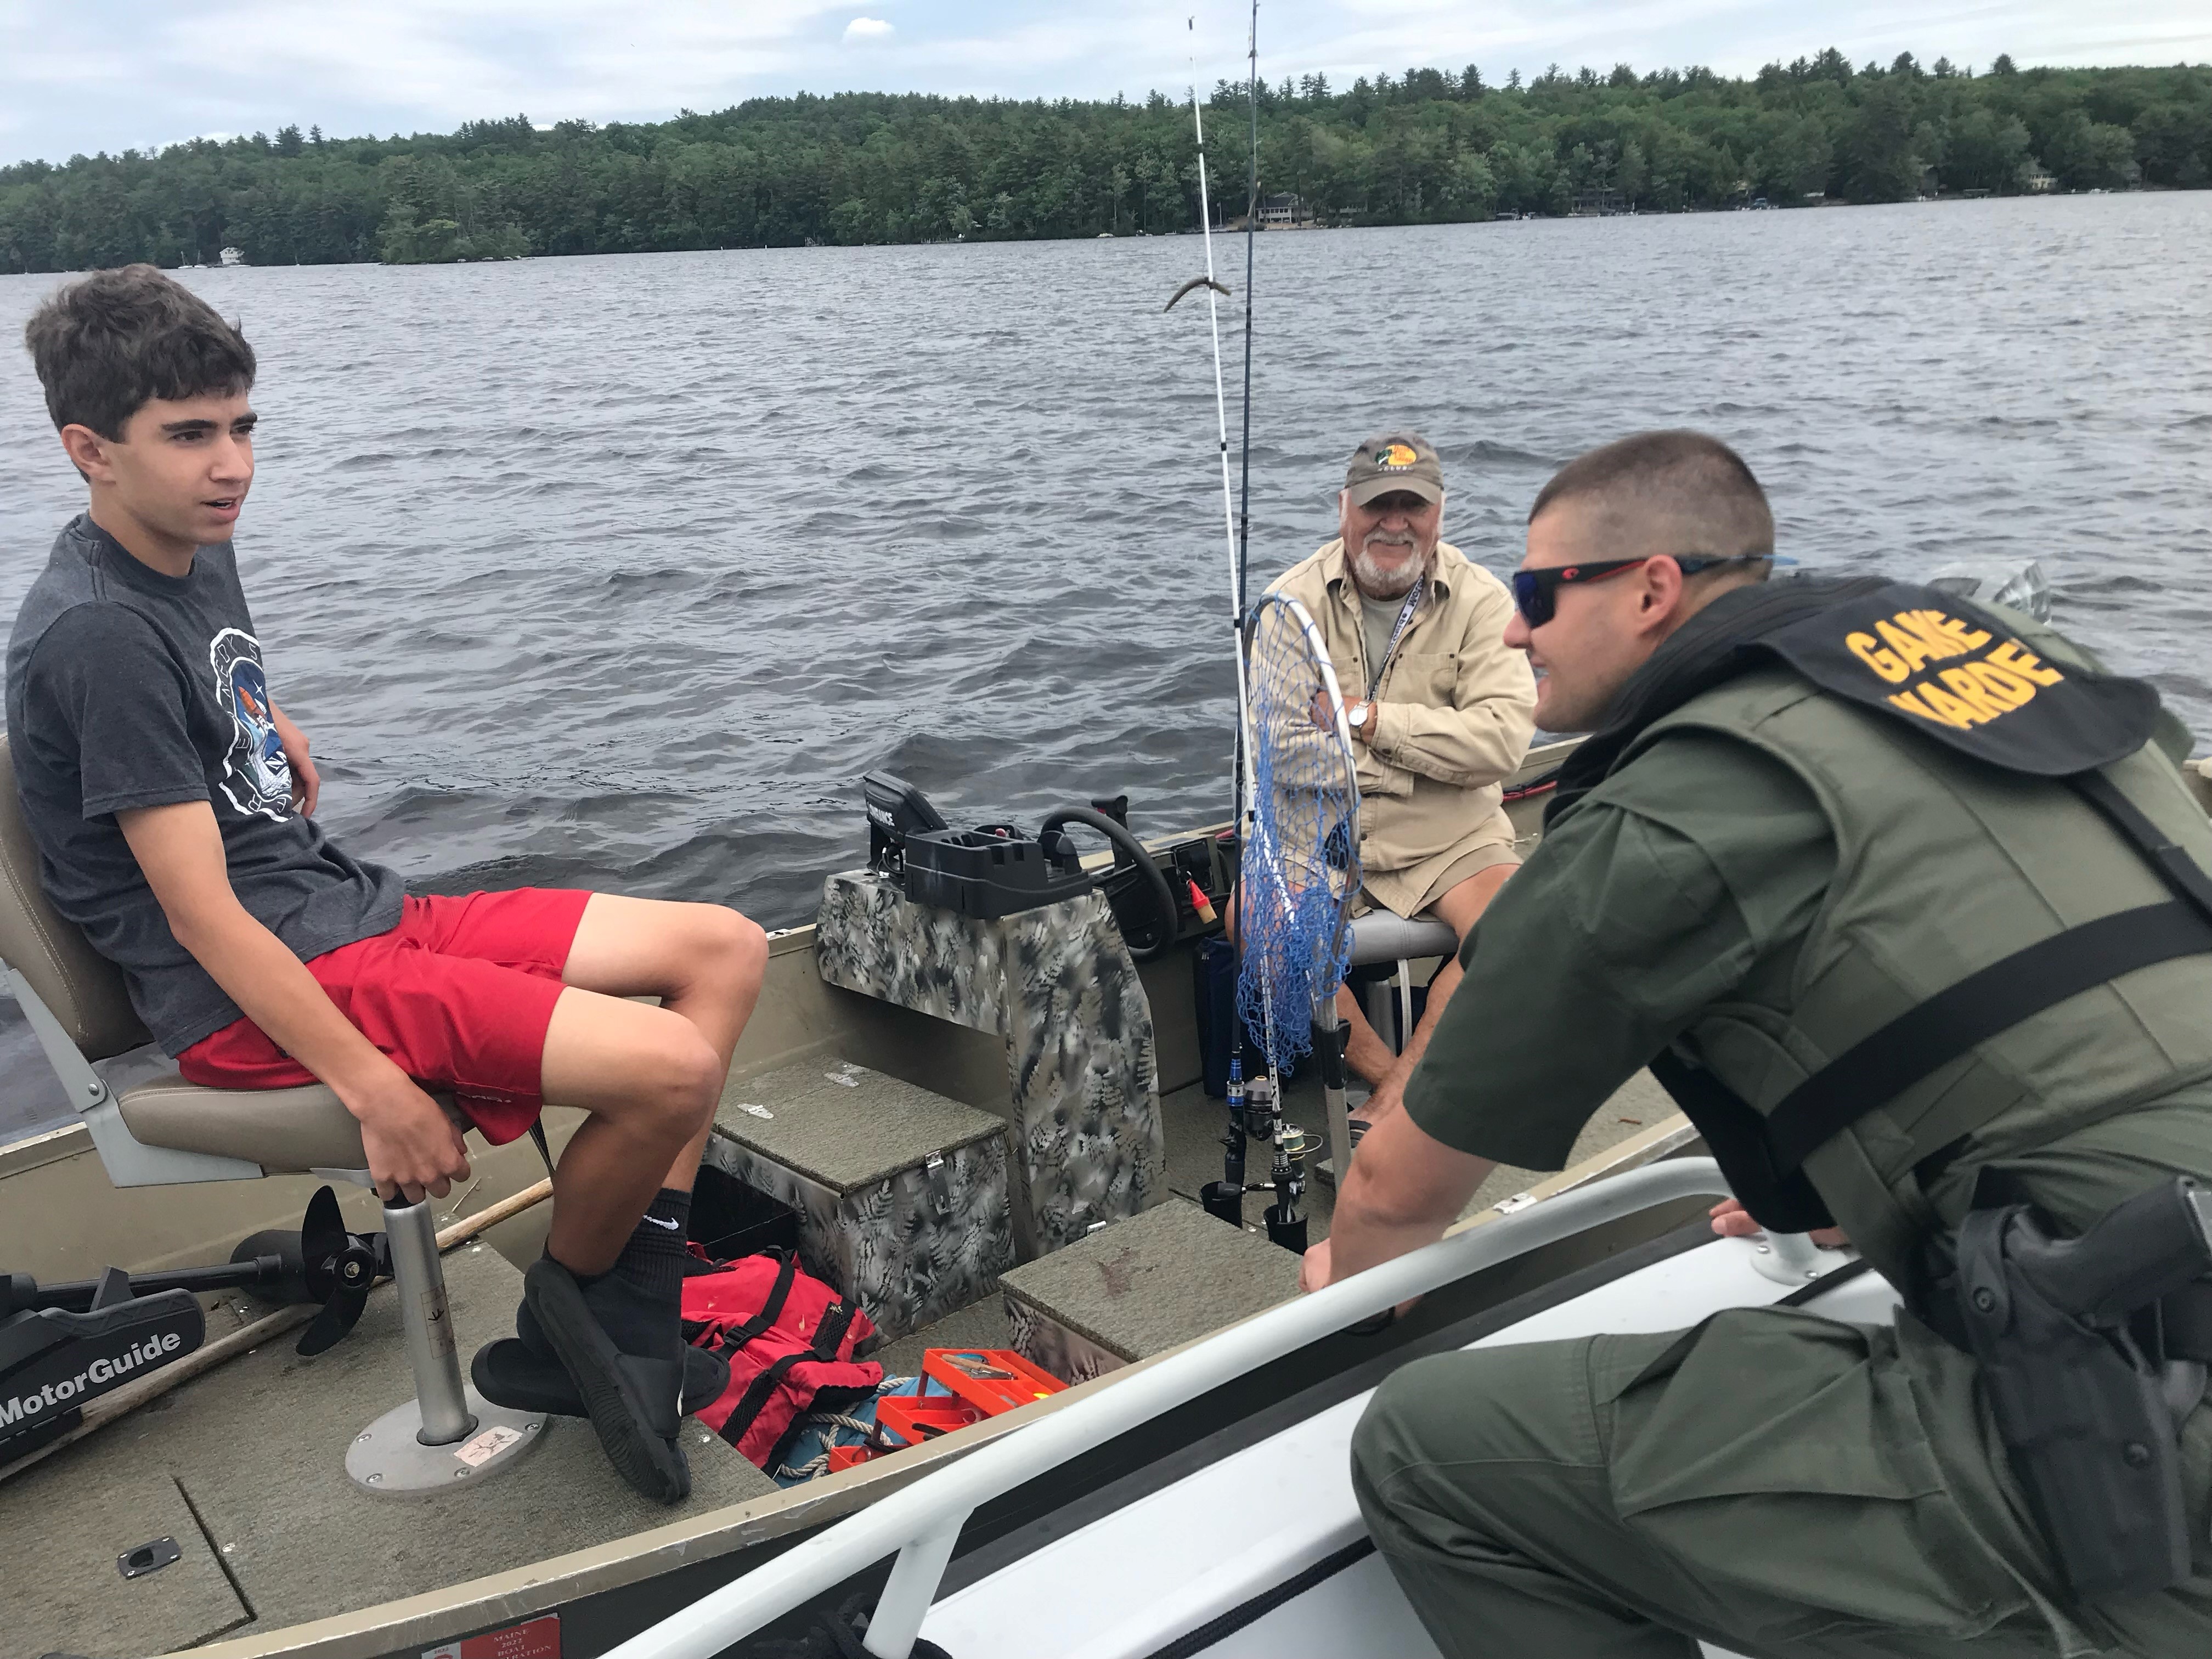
(2017, 942)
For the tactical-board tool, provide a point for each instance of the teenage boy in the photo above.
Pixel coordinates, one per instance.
(172, 800)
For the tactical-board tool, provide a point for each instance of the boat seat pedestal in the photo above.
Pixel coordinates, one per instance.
(1381, 937)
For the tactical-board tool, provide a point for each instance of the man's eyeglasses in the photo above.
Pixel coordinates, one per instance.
(1536, 593)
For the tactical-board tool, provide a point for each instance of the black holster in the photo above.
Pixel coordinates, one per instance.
(2073, 1341)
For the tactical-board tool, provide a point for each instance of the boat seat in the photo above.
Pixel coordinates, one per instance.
(282, 1130)
(1381, 937)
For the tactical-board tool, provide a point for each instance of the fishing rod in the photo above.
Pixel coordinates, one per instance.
(1214, 291)
(1251, 225)
(1259, 1111)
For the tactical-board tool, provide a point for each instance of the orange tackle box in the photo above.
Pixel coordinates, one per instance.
(917, 1417)
(994, 1379)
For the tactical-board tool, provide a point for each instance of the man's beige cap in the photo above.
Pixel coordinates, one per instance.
(1396, 460)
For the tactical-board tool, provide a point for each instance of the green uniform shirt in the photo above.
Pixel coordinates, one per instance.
(1690, 880)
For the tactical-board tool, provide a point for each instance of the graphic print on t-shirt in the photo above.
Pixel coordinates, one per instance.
(258, 777)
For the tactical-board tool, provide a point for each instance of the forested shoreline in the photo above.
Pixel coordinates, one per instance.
(1427, 146)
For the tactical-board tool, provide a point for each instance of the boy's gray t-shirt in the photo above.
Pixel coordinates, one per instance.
(125, 688)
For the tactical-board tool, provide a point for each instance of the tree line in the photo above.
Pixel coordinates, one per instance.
(1427, 146)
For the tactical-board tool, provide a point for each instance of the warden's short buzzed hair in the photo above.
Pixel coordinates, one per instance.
(1693, 484)
(105, 345)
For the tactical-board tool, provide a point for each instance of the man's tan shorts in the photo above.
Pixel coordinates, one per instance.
(1410, 892)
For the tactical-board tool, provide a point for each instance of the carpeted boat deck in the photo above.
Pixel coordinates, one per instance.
(244, 1468)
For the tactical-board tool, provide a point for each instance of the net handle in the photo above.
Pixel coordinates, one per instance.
(1353, 875)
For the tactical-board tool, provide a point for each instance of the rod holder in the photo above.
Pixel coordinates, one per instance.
(1223, 1201)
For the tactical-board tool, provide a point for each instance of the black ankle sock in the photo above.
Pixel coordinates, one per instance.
(638, 1301)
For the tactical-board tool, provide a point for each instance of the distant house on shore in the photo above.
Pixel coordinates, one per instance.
(1284, 213)
(2037, 180)
(1598, 204)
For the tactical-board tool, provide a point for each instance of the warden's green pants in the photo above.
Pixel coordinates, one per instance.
(1771, 1482)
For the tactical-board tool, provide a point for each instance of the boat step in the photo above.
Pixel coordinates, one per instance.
(900, 1193)
(1141, 1286)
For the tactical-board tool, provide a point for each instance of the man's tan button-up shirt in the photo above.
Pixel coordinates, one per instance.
(1456, 708)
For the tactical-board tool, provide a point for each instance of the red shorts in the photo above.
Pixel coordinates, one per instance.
(458, 995)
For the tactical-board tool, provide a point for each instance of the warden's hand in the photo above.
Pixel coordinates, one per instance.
(1732, 1220)
(1313, 1267)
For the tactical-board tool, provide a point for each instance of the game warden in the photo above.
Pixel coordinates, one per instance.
(1808, 808)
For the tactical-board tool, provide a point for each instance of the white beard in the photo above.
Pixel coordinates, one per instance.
(1380, 584)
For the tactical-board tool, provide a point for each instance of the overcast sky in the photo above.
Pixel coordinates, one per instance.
(92, 75)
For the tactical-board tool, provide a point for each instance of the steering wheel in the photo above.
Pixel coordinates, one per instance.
(1143, 946)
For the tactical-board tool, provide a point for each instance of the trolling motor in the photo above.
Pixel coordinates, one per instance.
(994, 870)
(325, 1263)
(64, 1345)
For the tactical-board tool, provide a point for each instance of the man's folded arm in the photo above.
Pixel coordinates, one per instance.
(1484, 735)
(410, 1144)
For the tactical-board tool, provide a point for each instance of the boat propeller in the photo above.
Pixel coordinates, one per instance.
(325, 1263)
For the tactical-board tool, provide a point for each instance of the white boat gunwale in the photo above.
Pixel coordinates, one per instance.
(921, 1522)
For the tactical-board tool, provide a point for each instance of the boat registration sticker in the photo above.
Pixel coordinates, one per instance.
(538, 1639)
(485, 1447)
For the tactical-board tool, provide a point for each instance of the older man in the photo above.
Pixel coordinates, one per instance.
(1440, 711)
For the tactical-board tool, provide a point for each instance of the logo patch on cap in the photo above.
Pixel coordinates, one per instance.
(1395, 455)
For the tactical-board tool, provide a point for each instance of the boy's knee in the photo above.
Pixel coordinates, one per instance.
(687, 1081)
(735, 942)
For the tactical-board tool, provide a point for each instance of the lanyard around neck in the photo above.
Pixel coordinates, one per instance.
(1397, 633)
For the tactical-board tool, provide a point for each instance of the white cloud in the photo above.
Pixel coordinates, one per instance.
(74, 77)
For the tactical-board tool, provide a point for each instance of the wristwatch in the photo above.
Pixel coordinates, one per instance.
(1358, 715)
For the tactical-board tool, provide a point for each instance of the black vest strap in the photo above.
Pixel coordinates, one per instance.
(1763, 1157)
(837, 1319)
(2179, 871)
(1882, 1066)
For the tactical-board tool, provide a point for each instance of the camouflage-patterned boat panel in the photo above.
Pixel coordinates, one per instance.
(1046, 1343)
(1058, 984)
(911, 1248)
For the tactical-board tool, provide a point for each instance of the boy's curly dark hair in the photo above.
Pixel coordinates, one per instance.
(106, 344)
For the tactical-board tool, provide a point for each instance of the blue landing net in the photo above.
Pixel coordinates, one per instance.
(1301, 862)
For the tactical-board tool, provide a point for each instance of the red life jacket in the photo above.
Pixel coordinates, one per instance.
(789, 1339)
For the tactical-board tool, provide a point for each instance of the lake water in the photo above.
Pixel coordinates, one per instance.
(621, 571)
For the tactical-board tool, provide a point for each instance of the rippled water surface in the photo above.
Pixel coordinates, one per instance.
(620, 571)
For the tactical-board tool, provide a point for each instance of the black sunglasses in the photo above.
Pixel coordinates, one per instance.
(1536, 593)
